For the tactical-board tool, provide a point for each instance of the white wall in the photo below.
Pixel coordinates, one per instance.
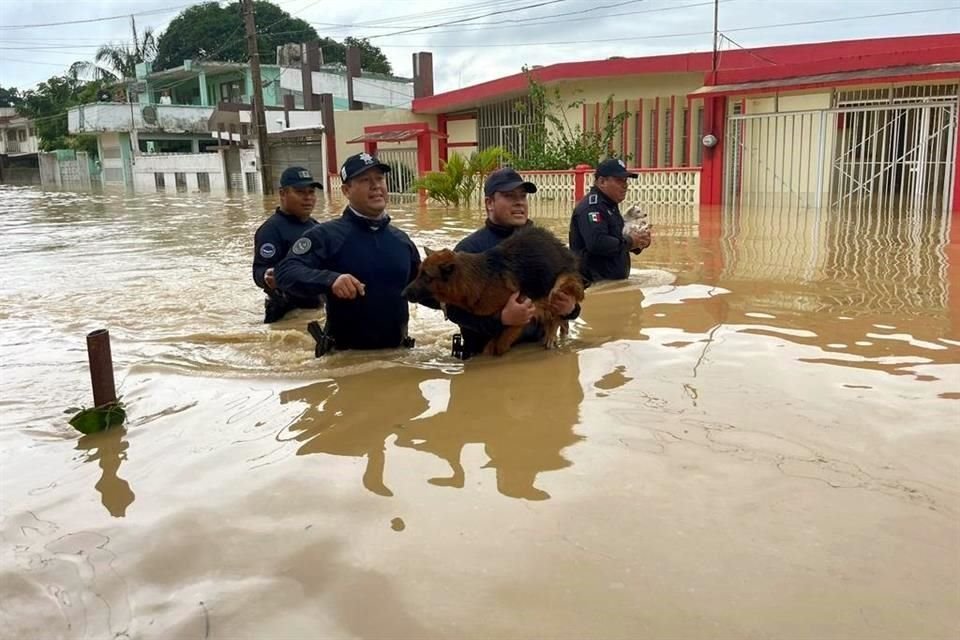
(370, 90)
(298, 120)
(146, 166)
(97, 117)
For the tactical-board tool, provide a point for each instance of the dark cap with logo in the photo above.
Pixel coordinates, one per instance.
(357, 164)
(614, 168)
(298, 177)
(506, 179)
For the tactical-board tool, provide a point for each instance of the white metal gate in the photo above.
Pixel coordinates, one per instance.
(403, 168)
(894, 153)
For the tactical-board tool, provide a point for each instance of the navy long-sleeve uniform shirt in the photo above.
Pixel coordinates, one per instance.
(478, 330)
(596, 236)
(377, 254)
(272, 242)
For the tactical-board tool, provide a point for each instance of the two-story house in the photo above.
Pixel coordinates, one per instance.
(168, 112)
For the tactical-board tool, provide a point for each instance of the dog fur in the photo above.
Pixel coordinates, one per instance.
(635, 219)
(532, 261)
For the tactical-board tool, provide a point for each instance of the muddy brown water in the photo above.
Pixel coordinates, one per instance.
(756, 436)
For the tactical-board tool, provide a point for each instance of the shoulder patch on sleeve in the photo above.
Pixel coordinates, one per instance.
(593, 199)
(594, 216)
(301, 246)
(267, 250)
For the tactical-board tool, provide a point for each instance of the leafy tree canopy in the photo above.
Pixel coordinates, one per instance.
(214, 32)
(47, 105)
(10, 97)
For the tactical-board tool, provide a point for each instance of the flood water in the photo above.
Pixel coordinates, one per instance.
(756, 436)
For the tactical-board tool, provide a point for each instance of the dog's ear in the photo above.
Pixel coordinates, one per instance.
(428, 251)
(446, 270)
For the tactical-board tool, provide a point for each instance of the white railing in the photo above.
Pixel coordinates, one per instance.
(551, 185)
(679, 185)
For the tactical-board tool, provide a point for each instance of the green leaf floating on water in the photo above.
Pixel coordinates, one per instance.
(98, 419)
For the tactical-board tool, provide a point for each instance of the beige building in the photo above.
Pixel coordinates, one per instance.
(840, 124)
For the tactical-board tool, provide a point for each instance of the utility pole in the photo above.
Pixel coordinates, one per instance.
(259, 119)
(716, 39)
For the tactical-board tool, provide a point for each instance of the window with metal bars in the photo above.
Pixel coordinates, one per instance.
(667, 137)
(508, 123)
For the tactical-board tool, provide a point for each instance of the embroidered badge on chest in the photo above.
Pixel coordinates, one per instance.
(267, 250)
(301, 246)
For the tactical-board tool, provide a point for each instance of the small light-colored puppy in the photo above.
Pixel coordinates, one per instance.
(635, 219)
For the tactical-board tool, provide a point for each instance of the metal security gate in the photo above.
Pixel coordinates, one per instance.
(902, 156)
(403, 168)
(889, 149)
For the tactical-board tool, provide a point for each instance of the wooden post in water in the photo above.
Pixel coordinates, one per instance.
(101, 368)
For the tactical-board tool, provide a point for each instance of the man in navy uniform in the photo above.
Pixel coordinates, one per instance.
(276, 235)
(596, 227)
(505, 200)
(360, 262)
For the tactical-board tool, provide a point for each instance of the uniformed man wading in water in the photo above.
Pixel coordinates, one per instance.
(277, 234)
(360, 262)
(596, 227)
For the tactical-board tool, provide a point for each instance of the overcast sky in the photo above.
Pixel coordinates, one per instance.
(484, 48)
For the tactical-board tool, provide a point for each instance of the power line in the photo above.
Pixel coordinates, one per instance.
(449, 11)
(723, 36)
(537, 19)
(526, 23)
(661, 36)
(468, 19)
(13, 27)
(52, 64)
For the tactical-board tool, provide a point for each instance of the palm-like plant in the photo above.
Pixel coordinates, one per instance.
(122, 60)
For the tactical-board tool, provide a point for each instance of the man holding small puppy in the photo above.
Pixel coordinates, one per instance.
(359, 261)
(597, 226)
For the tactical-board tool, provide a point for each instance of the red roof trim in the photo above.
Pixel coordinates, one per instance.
(888, 76)
(754, 64)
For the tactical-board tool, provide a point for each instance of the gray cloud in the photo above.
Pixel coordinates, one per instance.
(485, 49)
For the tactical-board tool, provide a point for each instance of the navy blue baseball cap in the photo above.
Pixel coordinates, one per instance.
(614, 168)
(298, 177)
(357, 164)
(506, 179)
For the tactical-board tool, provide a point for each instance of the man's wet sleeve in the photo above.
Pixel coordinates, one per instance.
(305, 271)
(267, 254)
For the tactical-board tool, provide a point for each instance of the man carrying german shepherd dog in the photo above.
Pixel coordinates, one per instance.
(505, 201)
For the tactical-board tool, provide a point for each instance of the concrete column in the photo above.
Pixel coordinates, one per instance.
(329, 129)
(422, 74)
(204, 96)
(248, 76)
(311, 60)
(353, 71)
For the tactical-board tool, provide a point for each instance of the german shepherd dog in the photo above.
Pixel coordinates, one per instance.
(531, 261)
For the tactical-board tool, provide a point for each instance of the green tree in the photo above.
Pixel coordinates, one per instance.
(371, 57)
(555, 143)
(47, 106)
(209, 31)
(10, 97)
